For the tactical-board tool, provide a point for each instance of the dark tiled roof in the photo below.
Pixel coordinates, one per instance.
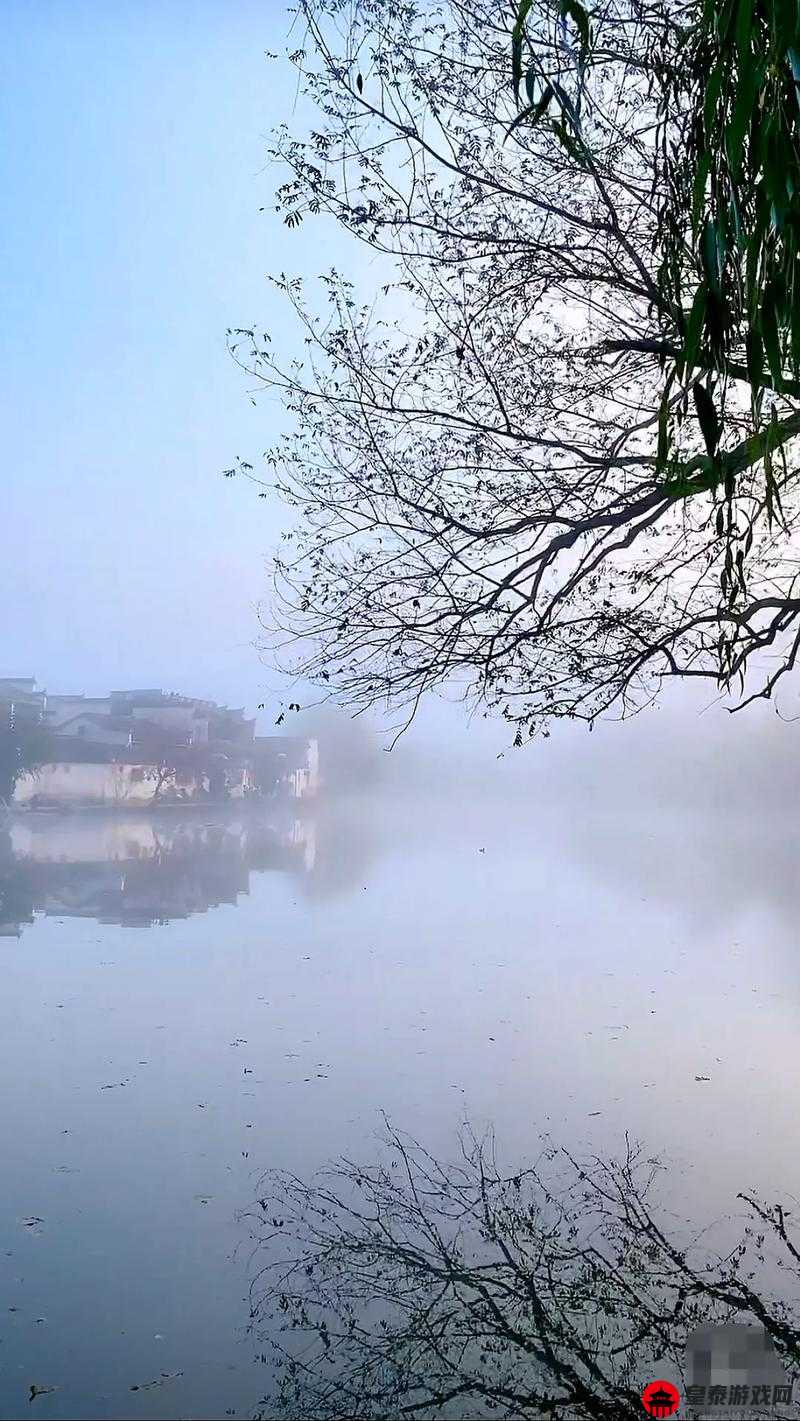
(79, 696)
(108, 722)
(18, 683)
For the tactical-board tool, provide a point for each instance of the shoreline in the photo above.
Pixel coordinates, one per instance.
(215, 807)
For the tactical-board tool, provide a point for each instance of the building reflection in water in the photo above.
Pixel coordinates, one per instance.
(142, 870)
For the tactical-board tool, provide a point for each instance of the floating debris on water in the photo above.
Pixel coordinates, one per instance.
(159, 1381)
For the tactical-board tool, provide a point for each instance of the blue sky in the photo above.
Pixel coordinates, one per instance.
(133, 168)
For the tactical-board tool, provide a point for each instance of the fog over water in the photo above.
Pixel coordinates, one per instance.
(557, 941)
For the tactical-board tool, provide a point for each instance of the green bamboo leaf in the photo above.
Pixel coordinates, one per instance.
(709, 252)
(724, 18)
(745, 113)
(744, 27)
(694, 326)
(567, 106)
(707, 416)
(663, 434)
(722, 247)
(534, 113)
(740, 570)
(755, 359)
(699, 189)
(785, 23)
(793, 56)
(710, 102)
(570, 144)
(769, 475)
(736, 221)
(541, 106)
(768, 326)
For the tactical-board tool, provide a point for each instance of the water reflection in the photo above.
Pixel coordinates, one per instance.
(526, 951)
(426, 1288)
(142, 870)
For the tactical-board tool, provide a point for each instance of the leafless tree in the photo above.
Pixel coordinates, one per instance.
(418, 1288)
(486, 498)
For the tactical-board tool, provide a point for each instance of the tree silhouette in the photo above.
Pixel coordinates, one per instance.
(500, 487)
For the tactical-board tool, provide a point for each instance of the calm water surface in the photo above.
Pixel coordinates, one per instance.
(187, 1003)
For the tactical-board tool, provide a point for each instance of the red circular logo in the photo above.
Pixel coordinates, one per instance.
(660, 1398)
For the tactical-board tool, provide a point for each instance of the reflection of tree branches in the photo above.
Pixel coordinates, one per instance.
(413, 1288)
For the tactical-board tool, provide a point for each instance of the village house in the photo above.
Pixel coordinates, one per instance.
(147, 746)
(60, 709)
(20, 702)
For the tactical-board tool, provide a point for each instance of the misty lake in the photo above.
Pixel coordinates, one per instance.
(189, 1000)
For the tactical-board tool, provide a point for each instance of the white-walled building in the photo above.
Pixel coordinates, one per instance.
(148, 746)
(119, 784)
